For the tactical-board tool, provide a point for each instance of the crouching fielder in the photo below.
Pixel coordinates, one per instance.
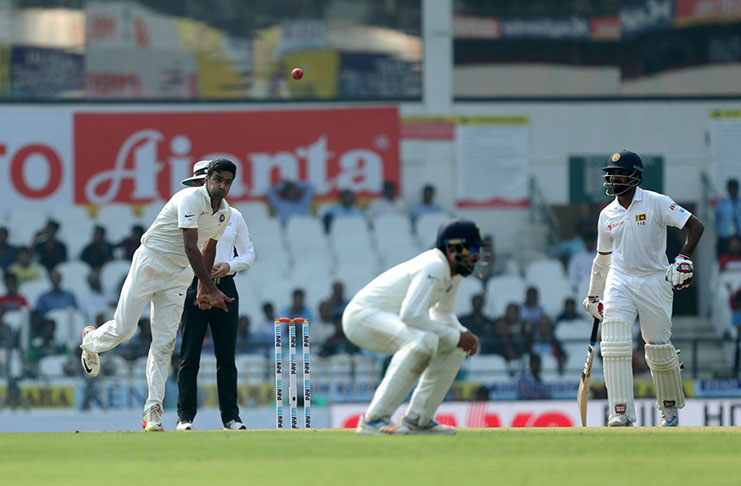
(632, 276)
(408, 311)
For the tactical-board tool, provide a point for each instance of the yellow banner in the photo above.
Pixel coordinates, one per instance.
(247, 395)
(469, 120)
(720, 114)
(4, 71)
(38, 397)
(321, 73)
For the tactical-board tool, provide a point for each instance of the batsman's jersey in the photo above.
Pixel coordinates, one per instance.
(636, 236)
(421, 291)
(189, 208)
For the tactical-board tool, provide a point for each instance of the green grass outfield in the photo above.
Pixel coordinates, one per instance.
(594, 456)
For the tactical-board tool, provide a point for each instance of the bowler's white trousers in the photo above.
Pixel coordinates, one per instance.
(150, 278)
(648, 297)
(418, 355)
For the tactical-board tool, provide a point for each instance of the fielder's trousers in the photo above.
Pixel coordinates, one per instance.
(224, 333)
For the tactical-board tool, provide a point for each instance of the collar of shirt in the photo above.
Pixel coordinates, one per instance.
(205, 194)
(638, 196)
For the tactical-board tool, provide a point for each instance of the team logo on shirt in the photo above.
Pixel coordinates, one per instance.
(222, 218)
(641, 217)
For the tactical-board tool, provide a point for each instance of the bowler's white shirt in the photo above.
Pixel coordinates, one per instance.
(421, 291)
(189, 208)
(236, 237)
(636, 236)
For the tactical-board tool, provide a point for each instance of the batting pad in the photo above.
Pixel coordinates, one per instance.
(664, 364)
(616, 347)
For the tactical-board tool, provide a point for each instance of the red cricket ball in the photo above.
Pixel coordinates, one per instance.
(297, 73)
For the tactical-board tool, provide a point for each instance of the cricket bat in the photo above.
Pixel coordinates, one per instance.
(583, 394)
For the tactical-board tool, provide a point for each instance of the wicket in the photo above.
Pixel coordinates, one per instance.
(292, 390)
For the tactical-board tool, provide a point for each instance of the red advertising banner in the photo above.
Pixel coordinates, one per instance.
(140, 157)
(705, 11)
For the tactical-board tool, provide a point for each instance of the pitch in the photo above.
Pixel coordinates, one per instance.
(697, 455)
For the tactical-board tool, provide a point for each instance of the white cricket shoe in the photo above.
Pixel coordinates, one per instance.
(152, 419)
(432, 428)
(669, 417)
(619, 421)
(234, 425)
(184, 426)
(90, 361)
(382, 426)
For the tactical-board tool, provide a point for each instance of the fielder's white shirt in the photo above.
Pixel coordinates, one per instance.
(236, 237)
(421, 291)
(636, 236)
(189, 208)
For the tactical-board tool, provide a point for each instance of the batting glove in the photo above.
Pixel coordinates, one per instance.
(593, 306)
(680, 273)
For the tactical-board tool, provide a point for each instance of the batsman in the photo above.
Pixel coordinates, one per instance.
(631, 276)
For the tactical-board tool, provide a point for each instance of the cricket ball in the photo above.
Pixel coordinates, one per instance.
(297, 73)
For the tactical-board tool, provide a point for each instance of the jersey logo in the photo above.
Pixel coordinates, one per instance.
(431, 277)
(189, 215)
(672, 207)
(641, 217)
(222, 218)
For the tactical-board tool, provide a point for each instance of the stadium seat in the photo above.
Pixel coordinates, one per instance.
(253, 211)
(485, 368)
(543, 270)
(356, 275)
(501, 291)
(552, 292)
(390, 225)
(113, 273)
(252, 368)
(69, 325)
(469, 287)
(305, 235)
(74, 276)
(52, 366)
(76, 236)
(117, 219)
(33, 289)
(23, 223)
(573, 330)
(427, 227)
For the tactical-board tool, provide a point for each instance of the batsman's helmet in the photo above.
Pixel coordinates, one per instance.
(625, 165)
(460, 234)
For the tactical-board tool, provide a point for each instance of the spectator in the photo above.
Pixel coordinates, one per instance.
(568, 248)
(545, 343)
(263, 335)
(130, 244)
(24, 268)
(477, 322)
(96, 300)
(501, 342)
(731, 258)
(530, 310)
(337, 343)
(48, 249)
(512, 318)
(8, 252)
(346, 208)
(138, 346)
(579, 267)
(244, 340)
(569, 312)
(297, 307)
(337, 300)
(728, 216)
(45, 344)
(530, 386)
(388, 203)
(735, 302)
(291, 198)
(56, 298)
(7, 334)
(498, 263)
(12, 300)
(99, 251)
(324, 326)
(427, 205)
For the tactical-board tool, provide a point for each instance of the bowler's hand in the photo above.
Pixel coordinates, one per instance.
(220, 269)
(218, 299)
(468, 342)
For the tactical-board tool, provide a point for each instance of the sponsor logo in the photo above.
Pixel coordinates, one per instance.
(189, 215)
(610, 227)
(621, 408)
(222, 218)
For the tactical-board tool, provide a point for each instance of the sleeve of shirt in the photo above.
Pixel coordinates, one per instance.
(222, 228)
(444, 311)
(672, 214)
(189, 208)
(243, 244)
(604, 239)
(415, 309)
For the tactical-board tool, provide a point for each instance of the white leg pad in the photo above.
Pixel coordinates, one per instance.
(664, 364)
(403, 372)
(616, 347)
